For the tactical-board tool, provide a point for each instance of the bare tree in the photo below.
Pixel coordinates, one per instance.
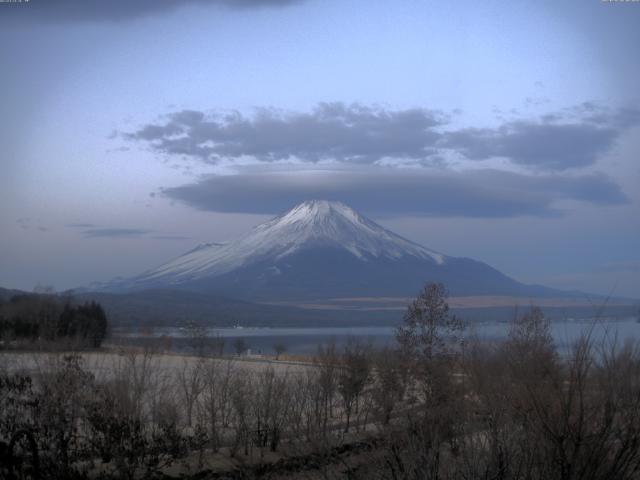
(240, 346)
(326, 360)
(270, 405)
(353, 376)
(298, 414)
(198, 338)
(390, 382)
(191, 384)
(279, 348)
(532, 353)
(429, 342)
(428, 329)
(217, 394)
(241, 400)
(217, 345)
(65, 391)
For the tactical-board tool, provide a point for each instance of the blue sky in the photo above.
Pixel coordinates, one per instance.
(505, 132)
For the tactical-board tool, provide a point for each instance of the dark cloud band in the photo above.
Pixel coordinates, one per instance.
(393, 191)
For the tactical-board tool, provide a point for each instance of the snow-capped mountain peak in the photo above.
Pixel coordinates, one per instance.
(311, 224)
(333, 224)
(316, 212)
(321, 249)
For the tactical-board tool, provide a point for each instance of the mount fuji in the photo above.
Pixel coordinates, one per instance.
(322, 249)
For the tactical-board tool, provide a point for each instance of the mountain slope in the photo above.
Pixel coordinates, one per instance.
(310, 225)
(322, 249)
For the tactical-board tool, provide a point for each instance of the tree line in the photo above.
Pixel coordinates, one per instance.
(28, 318)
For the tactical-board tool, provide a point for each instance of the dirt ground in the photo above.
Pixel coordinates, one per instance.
(109, 360)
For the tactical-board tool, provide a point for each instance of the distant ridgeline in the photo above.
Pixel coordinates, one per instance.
(35, 317)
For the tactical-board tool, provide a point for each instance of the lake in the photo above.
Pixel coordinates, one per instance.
(306, 340)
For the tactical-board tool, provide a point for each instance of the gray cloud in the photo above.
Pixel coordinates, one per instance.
(26, 223)
(355, 133)
(170, 237)
(80, 225)
(115, 10)
(541, 145)
(557, 141)
(115, 233)
(331, 131)
(89, 230)
(393, 191)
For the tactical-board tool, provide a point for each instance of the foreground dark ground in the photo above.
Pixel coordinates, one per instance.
(430, 407)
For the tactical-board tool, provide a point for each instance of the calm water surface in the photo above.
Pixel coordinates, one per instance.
(306, 340)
